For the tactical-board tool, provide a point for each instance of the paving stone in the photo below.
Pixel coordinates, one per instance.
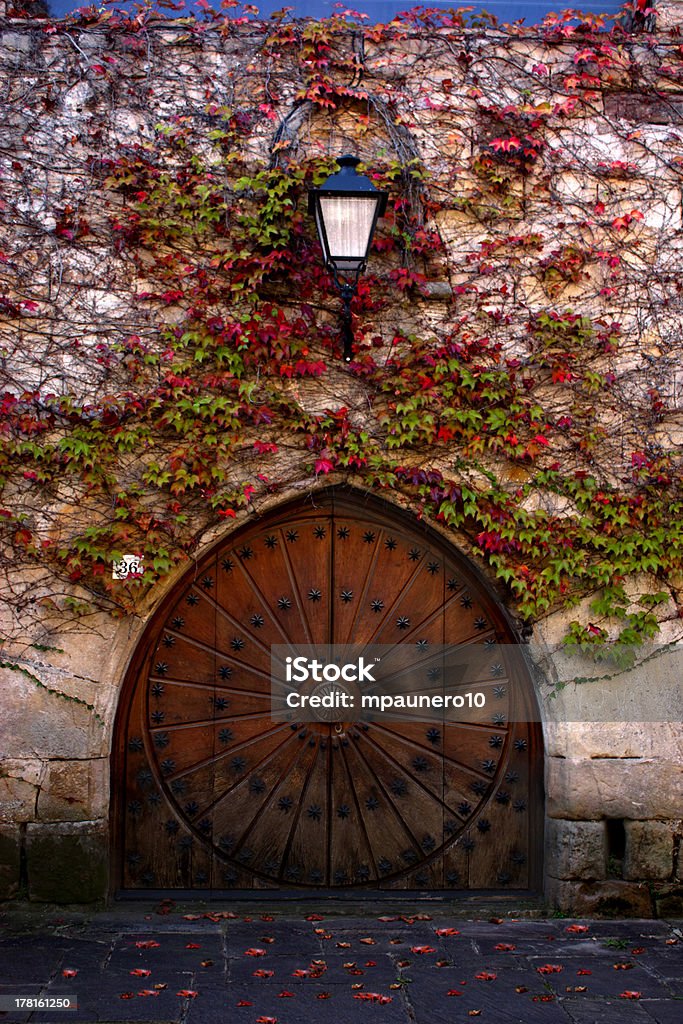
(497, 1000)
(171, 954)
(339, 1008)
(664, 1011)
(617, 1011)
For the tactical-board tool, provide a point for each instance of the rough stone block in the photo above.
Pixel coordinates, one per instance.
(669, 901)
(599, 899)
(74, 791)
(649, 850)
(636, 789)
(614, 740)
(18, 789)
(576, 849)
(67, 862)
(38, 723)
(10, 860)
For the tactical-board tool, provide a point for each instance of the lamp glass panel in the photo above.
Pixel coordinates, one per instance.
(348, 225)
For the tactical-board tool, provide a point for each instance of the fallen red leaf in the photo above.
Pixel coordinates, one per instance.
(263, 974)
(299, 973)
(521, 988)
(422, 949)
(127, 995)
(207, 963)
(266, 1020)
(370, 963)
(583, 970)
(267, 917)
(630, 995)
(486, 976)
(160, 985)
(443, 963)
(504, 947)
(147, 944)
(576, 929)
(244, 1002)
(543, 999)
(550, 969)
(495, 920)
(373, 997)
(254, 952)
(323, 995)
(637, 950)
(474, 1013)
(69, 972)
(268, 939)
(454, 992)
(315, 917)
(187, 993)
(140, 972)
(368, 942)
(623, 966)
(193, 945)
(447, 931)
(385, 918)
(285, 995)
(148, 992)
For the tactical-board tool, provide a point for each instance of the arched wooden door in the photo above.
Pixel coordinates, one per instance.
(212, 794)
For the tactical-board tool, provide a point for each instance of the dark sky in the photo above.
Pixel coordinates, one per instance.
(532, 11)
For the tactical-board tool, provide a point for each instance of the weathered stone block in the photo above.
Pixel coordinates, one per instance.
(649, 850)
(576, 849)
(635, 789)
(18, 790)
(74, 791)
(614, 740)
(599, 899)
(67, 862)
(669, 901)
(37, 722)
(10, 860)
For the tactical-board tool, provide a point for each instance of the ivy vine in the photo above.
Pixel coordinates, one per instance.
(517, 407)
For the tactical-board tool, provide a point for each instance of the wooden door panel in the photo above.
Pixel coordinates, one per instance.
(216, 795)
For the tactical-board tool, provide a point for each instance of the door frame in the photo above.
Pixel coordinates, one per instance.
(358, 499)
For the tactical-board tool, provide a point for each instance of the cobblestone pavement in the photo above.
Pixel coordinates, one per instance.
(183, 965)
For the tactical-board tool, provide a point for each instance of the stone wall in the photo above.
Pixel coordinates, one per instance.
(81, 94)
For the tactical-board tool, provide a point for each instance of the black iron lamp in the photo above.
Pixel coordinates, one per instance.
(346, 209)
